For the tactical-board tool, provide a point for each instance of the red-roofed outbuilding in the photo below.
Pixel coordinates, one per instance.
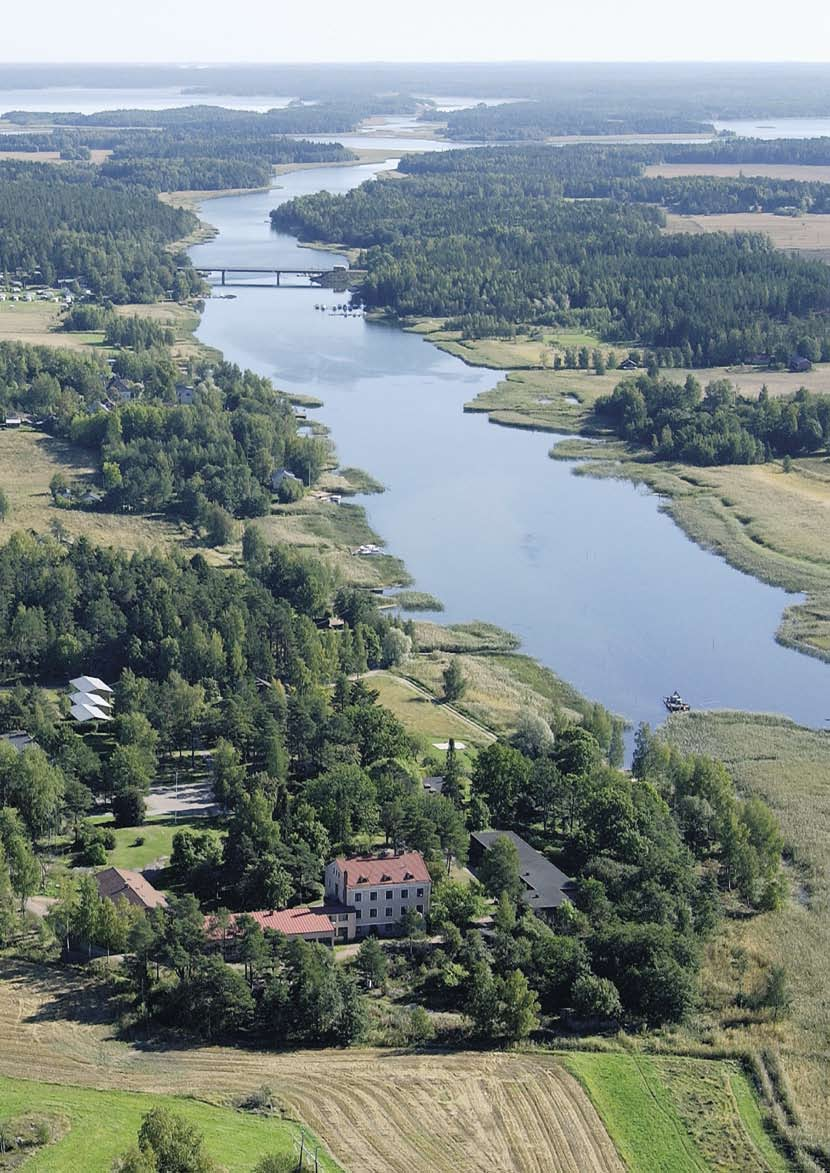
(312, 924)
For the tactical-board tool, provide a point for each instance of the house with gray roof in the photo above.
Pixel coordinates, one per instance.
(545, 886)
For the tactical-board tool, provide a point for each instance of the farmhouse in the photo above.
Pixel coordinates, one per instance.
(122, 884)
(120, 391)
(629, 364)
(312, 924)
(185, 394)
(378, 890)
(545, 886)
(282, 474)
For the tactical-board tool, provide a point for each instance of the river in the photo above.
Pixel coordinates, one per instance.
(599, 583)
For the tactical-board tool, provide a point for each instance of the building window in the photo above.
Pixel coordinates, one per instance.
(388, 893)
(358, 914)
(373, 913)
(373, 895)
(357, 898)
(419, 891)
(419, 907)
(404, 893)
(390, 912)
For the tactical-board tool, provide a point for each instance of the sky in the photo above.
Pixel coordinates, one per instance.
(431, 30)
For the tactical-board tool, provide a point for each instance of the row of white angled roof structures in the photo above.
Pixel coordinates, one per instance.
(89, 702)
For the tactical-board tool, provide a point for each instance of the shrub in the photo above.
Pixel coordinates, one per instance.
(94, 855)
(129, 808)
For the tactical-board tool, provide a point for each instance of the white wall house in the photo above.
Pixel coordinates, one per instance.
(379, 889)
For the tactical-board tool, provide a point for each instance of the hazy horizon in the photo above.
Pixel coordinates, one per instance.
(254, 32)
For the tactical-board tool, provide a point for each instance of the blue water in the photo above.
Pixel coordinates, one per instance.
(599, 583)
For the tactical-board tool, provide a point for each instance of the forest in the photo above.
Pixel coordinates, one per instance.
(681, 422)
(597, 171)
(539, 120)
(310, 765)
(208, 461)
(71, 223)
(489, 234)
(198, 148)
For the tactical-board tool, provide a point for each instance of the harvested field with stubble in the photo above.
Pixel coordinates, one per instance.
(807, 234)
(377, 1111)
(806, 172)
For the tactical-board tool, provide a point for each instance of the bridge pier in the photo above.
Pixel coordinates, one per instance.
(223, 276)
(278, 278)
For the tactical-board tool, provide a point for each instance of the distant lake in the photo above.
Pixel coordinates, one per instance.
(769, 128)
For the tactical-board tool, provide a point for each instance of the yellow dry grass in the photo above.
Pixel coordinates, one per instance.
(789, 767)
(95, 156)
(424, 716)
(800, 233)
(496, 695)
(183, 320)
(377, 1112)
(36, 323)
(29, 460)
(810, 173)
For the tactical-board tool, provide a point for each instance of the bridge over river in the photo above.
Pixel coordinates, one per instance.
(337, 277)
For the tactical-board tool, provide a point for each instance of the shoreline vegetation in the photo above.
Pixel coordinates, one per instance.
(742, 513)
(501, 685)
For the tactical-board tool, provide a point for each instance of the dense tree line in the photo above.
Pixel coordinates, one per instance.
(487, 234)
(522, 121)
(336, 116)
(215, 454)
(71, 222)
(680, 422)
(597, 171)
(732, 149)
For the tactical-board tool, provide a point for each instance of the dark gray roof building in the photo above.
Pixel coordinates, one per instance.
(546, 887)
(18, 740)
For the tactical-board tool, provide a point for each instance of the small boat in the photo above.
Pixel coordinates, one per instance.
(675, 703)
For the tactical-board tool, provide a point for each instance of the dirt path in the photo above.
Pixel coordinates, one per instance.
(377, 1111)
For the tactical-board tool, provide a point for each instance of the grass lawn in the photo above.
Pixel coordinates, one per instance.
(102, 1124)
(789, 767)
(526, 351)
(331, 532)
(427, 720)
(158, 841)
(677, 1115)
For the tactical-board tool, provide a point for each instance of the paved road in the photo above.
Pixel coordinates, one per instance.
(194, 799)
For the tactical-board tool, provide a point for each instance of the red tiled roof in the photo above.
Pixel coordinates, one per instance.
(391, 869)
(123, 884)
(293, 922)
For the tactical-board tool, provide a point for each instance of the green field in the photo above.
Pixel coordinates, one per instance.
(100, 1125)
(426, 719)
(678, 1115)
(158, 841)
